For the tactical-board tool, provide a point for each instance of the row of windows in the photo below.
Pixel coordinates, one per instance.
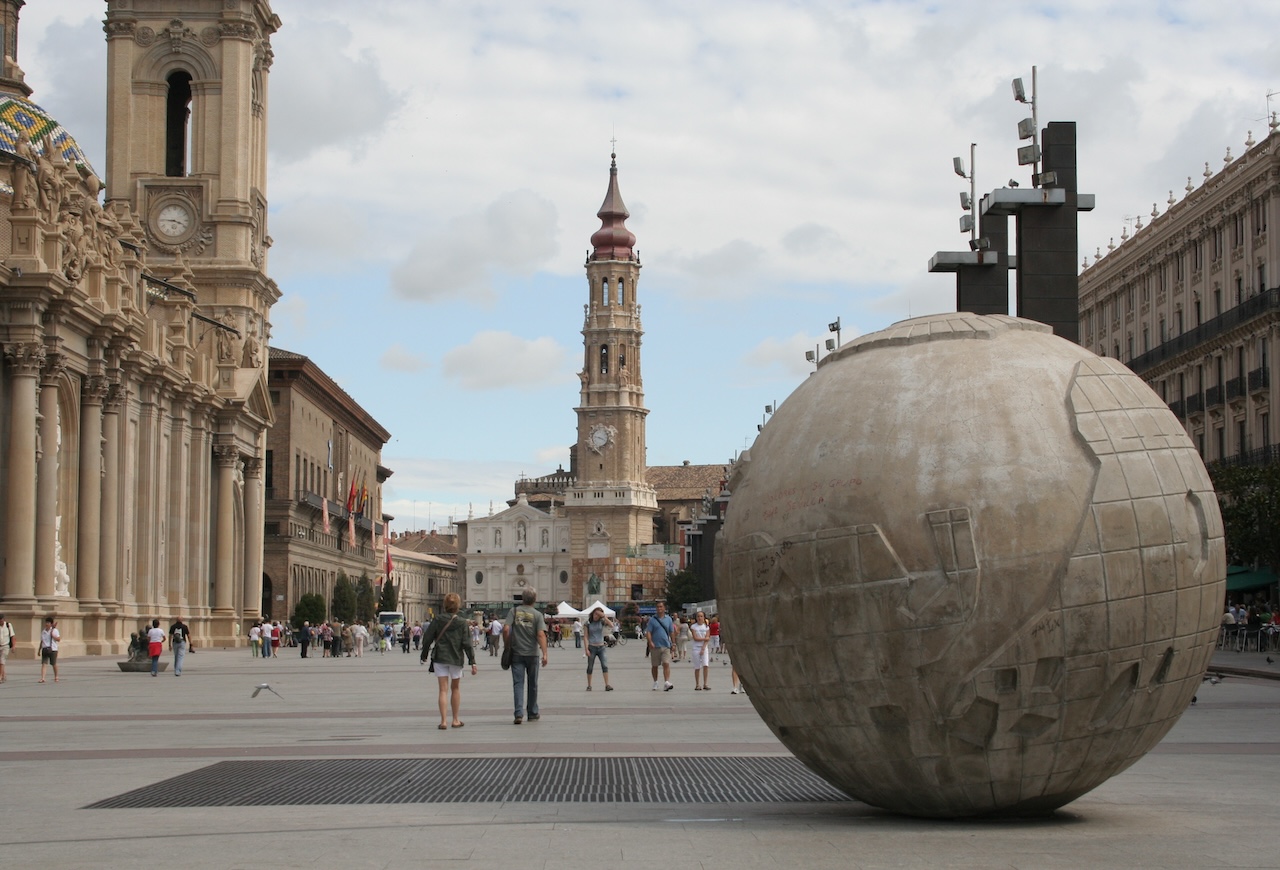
(1095, 319)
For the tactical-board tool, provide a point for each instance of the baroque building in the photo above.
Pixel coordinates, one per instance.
(1187, 303)
(133, 403)
(323, 474)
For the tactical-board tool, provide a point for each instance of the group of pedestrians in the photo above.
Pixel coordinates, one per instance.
(265, 638)
(179, 638)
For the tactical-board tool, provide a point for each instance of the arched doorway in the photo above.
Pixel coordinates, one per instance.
(266, 597)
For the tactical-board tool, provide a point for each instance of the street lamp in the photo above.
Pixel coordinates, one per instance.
(834, 327)
(969, 222)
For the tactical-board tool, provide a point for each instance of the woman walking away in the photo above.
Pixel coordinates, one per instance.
(155, 645)
(452, 642)
(597, 625)
(700, 633)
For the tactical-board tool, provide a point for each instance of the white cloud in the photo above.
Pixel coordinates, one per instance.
(499, 360)
(514, 235)
(783, 355)
(813, 240)
(399, 359)
(290, 314)
(323, 92)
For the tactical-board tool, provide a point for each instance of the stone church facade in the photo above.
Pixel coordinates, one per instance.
(133, 401)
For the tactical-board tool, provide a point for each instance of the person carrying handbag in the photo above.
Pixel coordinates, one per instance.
(452, 641)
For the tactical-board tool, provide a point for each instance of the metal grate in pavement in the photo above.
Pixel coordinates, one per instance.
(483, 779)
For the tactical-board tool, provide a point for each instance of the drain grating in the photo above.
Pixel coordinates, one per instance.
(478, 780)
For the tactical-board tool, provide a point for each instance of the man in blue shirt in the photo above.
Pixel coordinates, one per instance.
(661, 633)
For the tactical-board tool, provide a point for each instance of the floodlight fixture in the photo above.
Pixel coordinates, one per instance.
(834, 326)
(957, 163)
(981, 244)
(768, 409)
(966, 201)
(831, 344)
(966, 223)
(1013, 182)
(811, 356)
(1029, 128)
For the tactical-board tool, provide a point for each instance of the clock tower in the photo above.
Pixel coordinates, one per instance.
(187, 165)
(610, 506)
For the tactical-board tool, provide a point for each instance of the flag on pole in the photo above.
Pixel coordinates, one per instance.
(351, 496)
(326, 516)
(386, 545)
(351, 528)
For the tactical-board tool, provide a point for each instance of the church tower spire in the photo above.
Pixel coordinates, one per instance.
(611, 506)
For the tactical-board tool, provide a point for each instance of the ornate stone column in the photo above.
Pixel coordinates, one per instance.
(88, 550)
(225, 563)
(109, 535)
(253, 535)
(26, 358)
(47, 477)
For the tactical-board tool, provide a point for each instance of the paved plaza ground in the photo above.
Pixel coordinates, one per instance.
(1205, 797)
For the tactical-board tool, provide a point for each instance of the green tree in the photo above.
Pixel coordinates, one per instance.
(344, 598)
(683, 587)
(1249, 496)
(366, 601)
(387, 601)
(310, 608)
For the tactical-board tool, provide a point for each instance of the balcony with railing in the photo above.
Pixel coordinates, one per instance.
(337, 512)
(1236, 387)
(1213, 397)
(1195, 404)
(1253, 307)
(1259, 380)
(1261, 456)
(1178, 407)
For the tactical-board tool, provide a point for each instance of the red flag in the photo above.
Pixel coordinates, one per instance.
(386, 543)
(351, 496)
(326, 516)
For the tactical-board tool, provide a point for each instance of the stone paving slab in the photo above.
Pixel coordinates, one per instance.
(1204, 798)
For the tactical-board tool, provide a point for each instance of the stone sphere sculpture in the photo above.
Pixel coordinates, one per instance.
(970, 568)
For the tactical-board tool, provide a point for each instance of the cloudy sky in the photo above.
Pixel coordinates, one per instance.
(436, 168)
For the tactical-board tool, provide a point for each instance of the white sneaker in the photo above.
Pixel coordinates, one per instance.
(655, 686)
(734, 692)
(667, 687)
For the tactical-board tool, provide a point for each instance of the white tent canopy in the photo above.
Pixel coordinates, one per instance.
(567, 609)
(586, 611)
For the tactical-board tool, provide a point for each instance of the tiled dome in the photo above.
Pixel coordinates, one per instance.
(18, 114)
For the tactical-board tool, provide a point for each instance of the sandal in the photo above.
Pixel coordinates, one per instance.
(443, 727)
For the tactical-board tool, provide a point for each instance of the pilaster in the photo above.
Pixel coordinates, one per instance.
(26, 359)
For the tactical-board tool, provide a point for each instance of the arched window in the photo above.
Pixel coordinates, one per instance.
(622, 297)
(177, 139)
(604, 359)
(604, 291)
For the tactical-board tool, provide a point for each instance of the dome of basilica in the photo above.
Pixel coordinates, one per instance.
(19, 115)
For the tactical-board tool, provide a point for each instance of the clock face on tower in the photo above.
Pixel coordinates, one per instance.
(173, 221)
(600, 437)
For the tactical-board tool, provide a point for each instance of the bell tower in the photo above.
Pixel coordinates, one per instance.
(187, 151)
(187, 166)
(610, 506)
